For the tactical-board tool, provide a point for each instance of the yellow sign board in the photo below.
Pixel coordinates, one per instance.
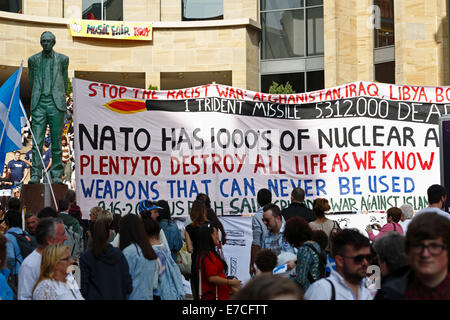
(111, 29)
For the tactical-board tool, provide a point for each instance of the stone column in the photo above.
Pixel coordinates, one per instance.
(421, 42)
(348, 42)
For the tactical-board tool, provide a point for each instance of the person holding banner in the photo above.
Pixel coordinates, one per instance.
(394, 215)
(215, 285)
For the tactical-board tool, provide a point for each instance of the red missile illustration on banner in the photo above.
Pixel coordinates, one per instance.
(126, 106)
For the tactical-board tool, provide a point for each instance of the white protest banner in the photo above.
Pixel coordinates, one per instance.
(238, 244)
(363, 146)
(239, 237)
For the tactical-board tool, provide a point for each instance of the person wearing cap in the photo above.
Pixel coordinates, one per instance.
(147, 207)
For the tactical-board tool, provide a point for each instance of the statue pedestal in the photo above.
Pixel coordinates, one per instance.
(34, 197)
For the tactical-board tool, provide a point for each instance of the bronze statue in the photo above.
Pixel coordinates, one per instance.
(48, 80)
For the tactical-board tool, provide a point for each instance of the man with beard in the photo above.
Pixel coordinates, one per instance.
(274, 240)
(351, 252)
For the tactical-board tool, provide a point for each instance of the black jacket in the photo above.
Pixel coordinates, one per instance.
(106, 278)
(393, 286)
(296, 209)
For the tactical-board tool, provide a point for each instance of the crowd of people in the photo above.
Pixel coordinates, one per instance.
(60, 256)
(16, 171)
(410, 251)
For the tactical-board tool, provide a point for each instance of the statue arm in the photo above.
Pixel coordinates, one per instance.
(30, 72)
(65, 72)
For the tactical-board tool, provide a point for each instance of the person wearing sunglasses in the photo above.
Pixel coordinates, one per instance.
(53, 282)
(351, 252)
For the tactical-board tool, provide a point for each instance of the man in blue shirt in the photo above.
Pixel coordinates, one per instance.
(18, 169)
(275, 223)
(47, 158)
(259, 230)
(29, 155)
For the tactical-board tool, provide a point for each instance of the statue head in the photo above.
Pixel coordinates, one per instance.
(48, 40)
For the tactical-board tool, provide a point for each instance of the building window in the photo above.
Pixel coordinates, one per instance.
(292, 28)
(103, 10)
(14, 6)
(384, 36)
(385, 72)
(300, 81)
(202, 10)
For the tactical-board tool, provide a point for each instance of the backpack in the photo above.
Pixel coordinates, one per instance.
(323, 273)
(75, 242)
(25, 242)
(336, 228)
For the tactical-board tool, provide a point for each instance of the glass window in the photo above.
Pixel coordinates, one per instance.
(202, 10)
(384, 36)
(103, 10)
(283, 34)
(287, 33)
(113, 10)
(277, 4)
(14, 6)
(315, 31)
(385, 72)
(315, 80)
(296, 80)
(310, 3)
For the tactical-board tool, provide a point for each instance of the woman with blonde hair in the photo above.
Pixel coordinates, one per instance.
(53, 283)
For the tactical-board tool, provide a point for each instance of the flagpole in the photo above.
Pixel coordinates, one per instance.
(40, 155)
(10, 102)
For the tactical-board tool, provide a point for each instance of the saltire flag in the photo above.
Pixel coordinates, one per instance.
(10, 116)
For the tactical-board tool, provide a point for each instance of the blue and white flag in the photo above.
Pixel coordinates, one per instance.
(10, 116)
(331, 264)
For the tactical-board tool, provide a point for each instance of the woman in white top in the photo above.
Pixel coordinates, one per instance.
(54, 281)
